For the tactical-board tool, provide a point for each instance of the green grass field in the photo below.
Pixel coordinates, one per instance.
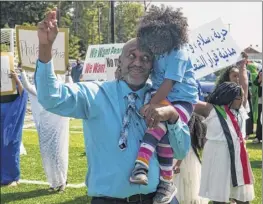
(31, 169)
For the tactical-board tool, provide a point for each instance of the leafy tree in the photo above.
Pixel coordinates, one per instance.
(17, 12)
(127, 17)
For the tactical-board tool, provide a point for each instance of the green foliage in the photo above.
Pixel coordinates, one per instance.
(5, 48)
(88, 21)
(127, 16)
(74, 47)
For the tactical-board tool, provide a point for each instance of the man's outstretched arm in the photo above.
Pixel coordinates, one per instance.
(70, 100)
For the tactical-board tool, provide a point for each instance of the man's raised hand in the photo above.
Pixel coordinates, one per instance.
(48, 29)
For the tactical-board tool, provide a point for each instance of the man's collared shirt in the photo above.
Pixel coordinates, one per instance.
(102, 106)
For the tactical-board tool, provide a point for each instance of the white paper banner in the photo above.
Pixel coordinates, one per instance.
(101, 61)
(27, 44)
(212, 48)
(8, 86)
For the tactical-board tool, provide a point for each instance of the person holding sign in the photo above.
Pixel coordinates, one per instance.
(233, 74)
(163, 32)
(13, 109)
(53, 132)
(103, 106)
(226, 172)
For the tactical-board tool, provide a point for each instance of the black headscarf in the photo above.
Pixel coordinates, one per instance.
(225, 94)
(198, 132)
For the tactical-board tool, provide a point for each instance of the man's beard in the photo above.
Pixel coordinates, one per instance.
(132, 82)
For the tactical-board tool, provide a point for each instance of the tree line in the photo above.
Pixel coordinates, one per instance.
(88, 21)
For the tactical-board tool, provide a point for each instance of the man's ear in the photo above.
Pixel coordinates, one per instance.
(119, 61)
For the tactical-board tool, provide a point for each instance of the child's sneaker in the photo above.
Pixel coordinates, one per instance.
(139, 175)
(165, 193)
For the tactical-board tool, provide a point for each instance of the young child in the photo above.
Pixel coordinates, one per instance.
(163, 32)
(226, 172)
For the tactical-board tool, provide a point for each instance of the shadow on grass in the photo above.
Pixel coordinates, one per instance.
(256, 164)
(254, 146)
(83, 154)
(8, 197)
(79, 200)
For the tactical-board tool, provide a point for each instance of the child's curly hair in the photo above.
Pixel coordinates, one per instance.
(162, 29)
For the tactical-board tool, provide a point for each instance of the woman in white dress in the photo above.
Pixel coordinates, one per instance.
(226, 172)
(53, 132)
(187, 179)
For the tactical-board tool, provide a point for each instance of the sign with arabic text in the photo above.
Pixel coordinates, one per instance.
(8, 86)
(212, 48)
(28, 47)
(101, 61)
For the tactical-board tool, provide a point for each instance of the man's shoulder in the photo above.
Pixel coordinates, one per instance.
(109, 87)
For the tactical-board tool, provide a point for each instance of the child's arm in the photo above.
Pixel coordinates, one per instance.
(163, 91)
(18, 82)
(243, 78)
(177, 166)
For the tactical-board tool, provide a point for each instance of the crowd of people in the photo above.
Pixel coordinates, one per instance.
(149, 136)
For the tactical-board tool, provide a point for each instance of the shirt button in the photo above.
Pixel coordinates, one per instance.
(137, 124)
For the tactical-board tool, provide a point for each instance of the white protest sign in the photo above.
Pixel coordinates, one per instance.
(212, 48)
(8, 86)
(27, 45)
(101, 61)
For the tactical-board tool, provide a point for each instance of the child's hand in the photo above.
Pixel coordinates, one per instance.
(176, 166)
(14, 76)
(176, 169)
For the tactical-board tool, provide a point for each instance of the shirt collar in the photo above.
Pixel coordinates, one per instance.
(126, 89)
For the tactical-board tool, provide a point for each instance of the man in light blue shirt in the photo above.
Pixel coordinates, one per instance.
(102, 106)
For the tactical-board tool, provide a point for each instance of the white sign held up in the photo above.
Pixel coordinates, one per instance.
(28, 48)
(212, 48)
(8, 86)
(101, 61)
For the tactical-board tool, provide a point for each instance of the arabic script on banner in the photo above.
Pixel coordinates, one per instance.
(212, 48)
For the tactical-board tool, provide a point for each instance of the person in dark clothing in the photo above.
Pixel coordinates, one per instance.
(76, 71)
(249, 121)
(258, 82)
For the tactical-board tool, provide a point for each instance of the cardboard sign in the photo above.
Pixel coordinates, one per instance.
(101, 61)
(8, 86)
(212, 48)
(28, 48)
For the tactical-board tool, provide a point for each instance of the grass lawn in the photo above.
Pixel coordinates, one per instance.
(31, 169)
